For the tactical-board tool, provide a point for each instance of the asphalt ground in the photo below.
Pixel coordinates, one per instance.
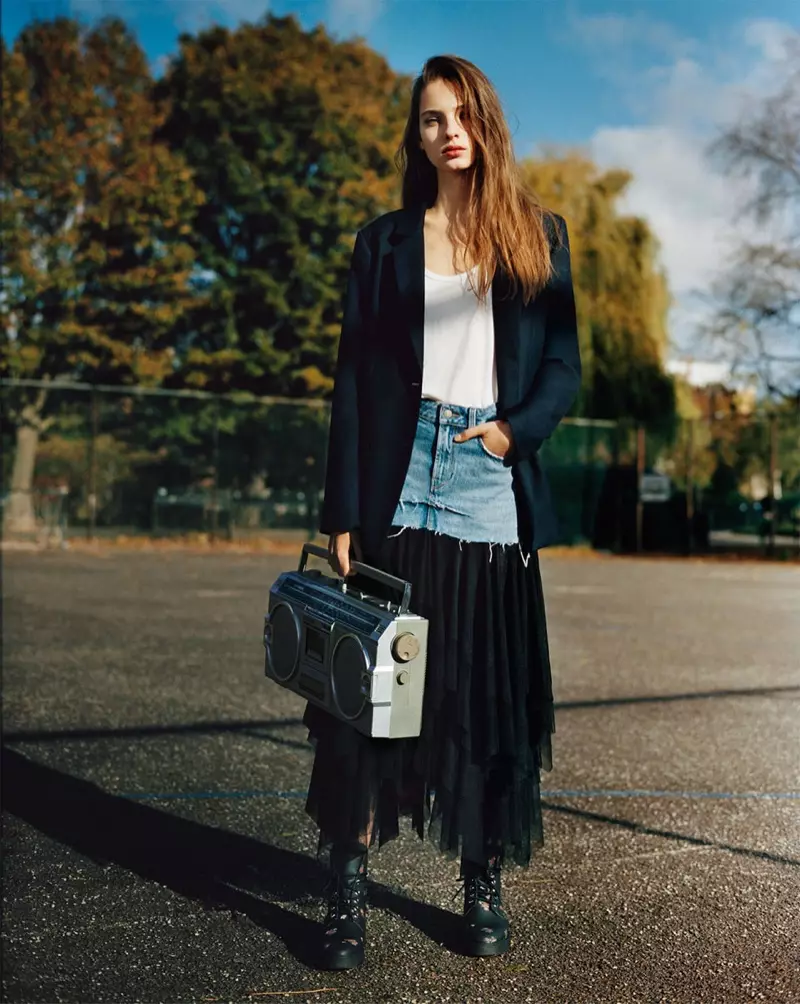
(156, 846)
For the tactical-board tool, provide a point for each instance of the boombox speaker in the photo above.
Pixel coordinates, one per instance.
(358, 655)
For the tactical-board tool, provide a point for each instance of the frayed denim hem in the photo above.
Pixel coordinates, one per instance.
(466, 540)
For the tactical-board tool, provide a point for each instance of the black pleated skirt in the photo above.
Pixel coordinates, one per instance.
(470, 780)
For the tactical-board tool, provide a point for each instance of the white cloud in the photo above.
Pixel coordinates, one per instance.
(683, 93)
(688, 206)
(768, 36)
(612, 34)
(352, 16)
(192, 15)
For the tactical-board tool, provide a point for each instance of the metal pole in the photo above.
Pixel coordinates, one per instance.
(587, 510)
(773, 458)
(640, 465)
(690, 486)
(620, 429)
(215, 482)
(92, 494)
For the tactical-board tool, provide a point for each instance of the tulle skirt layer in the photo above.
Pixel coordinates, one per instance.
(470, 780)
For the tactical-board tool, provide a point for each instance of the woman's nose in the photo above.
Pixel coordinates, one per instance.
(453, 129)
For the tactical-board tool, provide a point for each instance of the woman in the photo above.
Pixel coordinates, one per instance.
(458, 357)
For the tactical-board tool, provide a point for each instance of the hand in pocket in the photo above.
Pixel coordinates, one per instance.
(496, 434)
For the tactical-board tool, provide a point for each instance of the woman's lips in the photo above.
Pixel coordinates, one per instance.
(453, 153)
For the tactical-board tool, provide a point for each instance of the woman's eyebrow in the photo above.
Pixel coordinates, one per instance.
(435, 111)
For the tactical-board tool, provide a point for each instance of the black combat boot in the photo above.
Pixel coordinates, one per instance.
(345, 931)
(486, 929)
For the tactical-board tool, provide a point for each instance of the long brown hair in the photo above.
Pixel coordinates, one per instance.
(505, 221)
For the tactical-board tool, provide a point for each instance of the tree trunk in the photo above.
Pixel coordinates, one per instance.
(19, 516)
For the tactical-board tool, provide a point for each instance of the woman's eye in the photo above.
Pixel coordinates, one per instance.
(433, 121)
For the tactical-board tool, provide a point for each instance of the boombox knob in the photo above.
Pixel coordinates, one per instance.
(405, 647)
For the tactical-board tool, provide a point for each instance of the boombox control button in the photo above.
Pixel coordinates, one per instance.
(405, 647)
(402, 677)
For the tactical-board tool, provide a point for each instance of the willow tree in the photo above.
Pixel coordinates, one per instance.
(97, 267)
(291, 136)
(621, 292)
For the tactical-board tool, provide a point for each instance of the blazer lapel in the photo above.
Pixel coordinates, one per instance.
(409, 263)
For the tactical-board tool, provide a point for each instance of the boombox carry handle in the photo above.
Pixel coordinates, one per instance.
(358, 566)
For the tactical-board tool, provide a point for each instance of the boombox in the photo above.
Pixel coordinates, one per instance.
(358, 655)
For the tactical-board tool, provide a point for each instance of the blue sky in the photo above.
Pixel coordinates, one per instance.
(641, 84)
(548, 58)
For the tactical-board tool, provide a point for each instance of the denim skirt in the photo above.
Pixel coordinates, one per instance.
(459, 489)
(470, 780)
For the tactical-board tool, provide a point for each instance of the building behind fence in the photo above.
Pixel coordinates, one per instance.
(115, 461)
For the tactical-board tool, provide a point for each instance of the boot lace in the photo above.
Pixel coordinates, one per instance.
(346, 897)
(481, 887)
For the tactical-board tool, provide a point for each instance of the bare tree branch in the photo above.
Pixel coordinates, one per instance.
(756, 317)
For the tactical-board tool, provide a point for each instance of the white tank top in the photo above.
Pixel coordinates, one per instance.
(460, 365)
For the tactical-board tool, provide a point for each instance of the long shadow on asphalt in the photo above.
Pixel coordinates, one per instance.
(259, 727)
(216, 867)
(246, 726)
(213, 866)
(627, 824)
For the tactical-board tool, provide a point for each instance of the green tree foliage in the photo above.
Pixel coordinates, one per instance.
(97, 266)
(621, 294)
(291, 136)
(96, 215)
(197, 233)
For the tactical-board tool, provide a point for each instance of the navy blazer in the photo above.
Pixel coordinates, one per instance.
(378, 380)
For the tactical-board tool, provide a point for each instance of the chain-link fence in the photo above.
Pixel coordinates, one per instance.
(99, 461)
(138, 462)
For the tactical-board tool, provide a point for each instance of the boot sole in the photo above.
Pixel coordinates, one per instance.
(341, 963)
(481, 949)
(348, 958)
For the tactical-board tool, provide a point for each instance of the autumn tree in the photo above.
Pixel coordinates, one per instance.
(621, 291)
(291, 136)
(97, 267)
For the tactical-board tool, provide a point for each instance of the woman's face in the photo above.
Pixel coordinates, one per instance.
(441, 125)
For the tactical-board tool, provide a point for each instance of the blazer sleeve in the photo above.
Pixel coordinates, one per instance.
(558, 378)
(340, 507)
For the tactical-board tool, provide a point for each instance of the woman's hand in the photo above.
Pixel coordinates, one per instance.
(339, 548)
(496, 434)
